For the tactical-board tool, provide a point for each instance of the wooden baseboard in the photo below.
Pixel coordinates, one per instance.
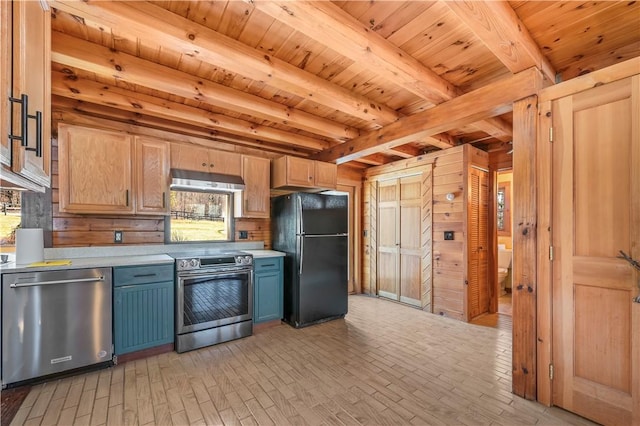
(132, 356)
(257, 328)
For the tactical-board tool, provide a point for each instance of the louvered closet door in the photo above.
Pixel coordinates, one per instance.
(477, 240)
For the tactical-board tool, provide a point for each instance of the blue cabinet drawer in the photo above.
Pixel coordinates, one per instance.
(143, 316)
(131, 275)
(267, 264)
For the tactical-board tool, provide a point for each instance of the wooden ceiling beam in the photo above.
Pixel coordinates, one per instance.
(497, 25)
(150, 22)
(488, 101)
(405, 151)
(68, 85)
(327, 23)
(107, 62)
(69, 110)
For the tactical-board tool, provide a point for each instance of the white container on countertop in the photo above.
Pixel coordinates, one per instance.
(29, 245)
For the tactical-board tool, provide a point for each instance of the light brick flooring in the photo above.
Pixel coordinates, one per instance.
(385, 364)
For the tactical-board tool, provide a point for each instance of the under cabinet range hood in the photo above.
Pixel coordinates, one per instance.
(188, 180)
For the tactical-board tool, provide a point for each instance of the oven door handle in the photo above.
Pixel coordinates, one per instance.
(203, 273)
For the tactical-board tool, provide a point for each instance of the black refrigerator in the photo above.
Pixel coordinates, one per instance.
(312, 229)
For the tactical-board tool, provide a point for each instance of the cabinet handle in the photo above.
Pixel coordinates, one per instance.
(268, 265)
(24, 112)
(144, 275)
(38, 148)
(126, 194)
(24, 125)
(164, 200)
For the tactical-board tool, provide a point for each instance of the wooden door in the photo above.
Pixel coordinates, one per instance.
(95, 171)
(477, 243)
(32, 76)
(388, 238)
(410, 254)
(152, 176)
(400, 239)
(596, 213)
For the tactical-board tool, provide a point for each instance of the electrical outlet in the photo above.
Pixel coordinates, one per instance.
(117, 236)
(448, 235)
(244, 235)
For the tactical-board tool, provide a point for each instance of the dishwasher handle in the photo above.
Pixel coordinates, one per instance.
(69, 281)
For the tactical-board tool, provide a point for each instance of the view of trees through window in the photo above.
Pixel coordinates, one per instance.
(200, 216)
(9, 218)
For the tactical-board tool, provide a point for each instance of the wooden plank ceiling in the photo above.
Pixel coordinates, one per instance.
(366, 82)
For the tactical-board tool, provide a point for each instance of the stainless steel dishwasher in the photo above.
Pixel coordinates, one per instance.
(55, 321)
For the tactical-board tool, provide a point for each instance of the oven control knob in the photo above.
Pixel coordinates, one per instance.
(183, 264)
(194, 263)
(247, 260)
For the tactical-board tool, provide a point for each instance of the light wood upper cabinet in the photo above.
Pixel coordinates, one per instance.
(326, 175)
(192, 157)
(295, 172)
(25, 70)
(95, 170)
(152, 176)
(254, 200)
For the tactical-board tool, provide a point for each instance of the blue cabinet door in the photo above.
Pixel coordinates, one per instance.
(267, 301)
(143, 316)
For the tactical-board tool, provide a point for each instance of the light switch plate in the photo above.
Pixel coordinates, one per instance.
(117, 236)
(244, 235)
(448, 235)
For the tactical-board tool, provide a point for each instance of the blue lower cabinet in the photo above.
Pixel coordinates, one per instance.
(268, 284)
(143, 311)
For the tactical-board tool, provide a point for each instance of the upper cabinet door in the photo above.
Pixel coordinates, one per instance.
(189, 157)
(300, 172)
(225, 162)
(152, 176)
(95, 171)
(254, 200)
(326, 175)
(32, 77)
(5, 80)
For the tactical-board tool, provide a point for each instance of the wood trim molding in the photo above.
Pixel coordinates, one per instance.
(596, 78)
(426, 296)
(525, 119)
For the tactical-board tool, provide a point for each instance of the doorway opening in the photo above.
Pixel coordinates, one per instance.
(504, 227)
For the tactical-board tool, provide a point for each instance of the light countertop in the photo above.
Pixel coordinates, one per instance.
(91, 262)
(265, 253)
(114, 261)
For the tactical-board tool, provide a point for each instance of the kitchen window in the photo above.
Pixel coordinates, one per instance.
(199, 216)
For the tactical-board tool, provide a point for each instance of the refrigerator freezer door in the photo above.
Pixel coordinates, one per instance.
(323, 214)
(323, 280)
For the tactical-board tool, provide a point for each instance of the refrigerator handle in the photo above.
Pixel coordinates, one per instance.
(301, 253)
(300, 221)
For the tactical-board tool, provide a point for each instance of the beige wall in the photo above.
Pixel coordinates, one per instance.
(507, 176)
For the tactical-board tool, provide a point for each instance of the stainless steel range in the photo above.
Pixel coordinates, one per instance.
(214, 301)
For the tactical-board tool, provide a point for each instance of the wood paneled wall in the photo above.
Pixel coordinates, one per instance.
(83, 230)
(448, 267)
